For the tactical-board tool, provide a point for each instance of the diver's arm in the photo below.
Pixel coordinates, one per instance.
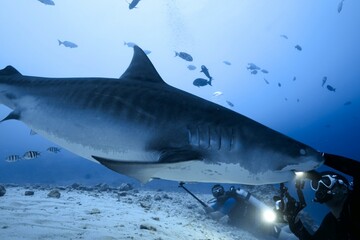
(298, 228)
(218, 211)
(216, 215)
(213, 212)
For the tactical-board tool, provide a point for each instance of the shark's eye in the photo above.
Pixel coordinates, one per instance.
(302, 151)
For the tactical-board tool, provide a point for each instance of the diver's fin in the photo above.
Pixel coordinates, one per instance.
(9, 70)
(342, 164)
(144, 172)
(141, 68)
(13, 115)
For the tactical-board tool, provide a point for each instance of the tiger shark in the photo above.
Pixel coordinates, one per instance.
(139, 126)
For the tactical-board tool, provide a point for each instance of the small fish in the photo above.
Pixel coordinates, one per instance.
(47, 2)
(206, 72)
(184, 55)
(133, 4)
(200, 82)
(265, 71)
(267, 82)
(347, 103)
(324, 81)
(298, 47)
(227, 63)
(279, 84)
(340, 6)
(330, 88)
(230, 103)
(31, 155)
(12, 158)
(254, 72)
(217, 94)
(129, 44)
(68, 44)
(284, 36)
(286, 99)
(252, 66)
(32, 132)
(298, 100)
(53, 149)
(147, 52)
(294, 78)
(191, 67)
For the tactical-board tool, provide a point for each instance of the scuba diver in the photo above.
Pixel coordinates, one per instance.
(333, 190)
(238, 208)
(227, 204)
(343, 220)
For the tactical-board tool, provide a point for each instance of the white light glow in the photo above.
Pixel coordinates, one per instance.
(269, 216)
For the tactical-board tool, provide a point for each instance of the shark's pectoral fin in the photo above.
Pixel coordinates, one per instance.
(146, 171)
(173, 155)
(13, 115)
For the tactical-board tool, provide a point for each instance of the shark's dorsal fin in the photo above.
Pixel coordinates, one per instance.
(9, 70)
(13, 115)
(141, 68)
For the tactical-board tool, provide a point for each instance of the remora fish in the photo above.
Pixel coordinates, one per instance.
(142, 127)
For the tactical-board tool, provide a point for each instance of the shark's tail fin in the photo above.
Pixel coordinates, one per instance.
(9, 70)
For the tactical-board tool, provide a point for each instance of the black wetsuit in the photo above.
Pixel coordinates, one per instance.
(347, 227)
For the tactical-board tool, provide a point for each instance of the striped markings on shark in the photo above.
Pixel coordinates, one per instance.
(140, 126)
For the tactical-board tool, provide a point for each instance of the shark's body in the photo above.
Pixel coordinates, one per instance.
(140, 126)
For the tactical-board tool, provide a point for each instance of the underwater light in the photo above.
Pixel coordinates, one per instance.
(299, 174)
(269, 216)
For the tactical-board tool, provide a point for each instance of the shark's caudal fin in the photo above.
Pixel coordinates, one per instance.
(141, 68)
(9, 70)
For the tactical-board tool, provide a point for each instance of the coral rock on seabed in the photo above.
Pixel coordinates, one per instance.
(54, 194)
(125, 187)
(2, 190)
(147, 227)
(29, 193)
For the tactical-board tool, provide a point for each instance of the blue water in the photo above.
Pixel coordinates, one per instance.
(240, 32)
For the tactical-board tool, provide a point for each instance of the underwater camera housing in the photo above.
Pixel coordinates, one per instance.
(286, 206)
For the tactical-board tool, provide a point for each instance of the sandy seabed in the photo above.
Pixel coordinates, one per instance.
(109, 214)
